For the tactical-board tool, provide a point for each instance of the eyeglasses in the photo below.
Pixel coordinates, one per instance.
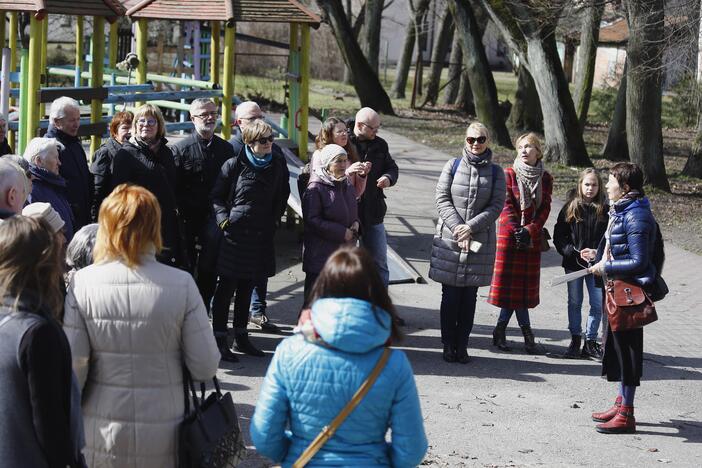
(206, 115)
(375, 129)
(480, 140)
(147, 122)
(264, 140)
(341, 132)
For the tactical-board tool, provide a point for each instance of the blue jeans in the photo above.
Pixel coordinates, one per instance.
(258, 297)
(375, 240)
(457, 314)
(522, 316)
(575, 302)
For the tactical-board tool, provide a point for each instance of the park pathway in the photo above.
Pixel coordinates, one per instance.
(512, 409)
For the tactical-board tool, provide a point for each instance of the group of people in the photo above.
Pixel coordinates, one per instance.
(615, 238)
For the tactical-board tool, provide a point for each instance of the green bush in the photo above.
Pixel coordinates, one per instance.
(602, 104)
(680, 110)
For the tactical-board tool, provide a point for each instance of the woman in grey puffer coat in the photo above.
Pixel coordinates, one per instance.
(469, 198)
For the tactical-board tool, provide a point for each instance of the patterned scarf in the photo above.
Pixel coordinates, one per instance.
(529, 182)
(477, 160)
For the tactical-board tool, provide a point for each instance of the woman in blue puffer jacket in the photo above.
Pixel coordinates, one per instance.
(627, 252)
(314, 374)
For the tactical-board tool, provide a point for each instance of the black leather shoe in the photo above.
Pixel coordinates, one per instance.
(592, 349)
(244, 345)
(449, 354)
(224, 351)
(462, 355)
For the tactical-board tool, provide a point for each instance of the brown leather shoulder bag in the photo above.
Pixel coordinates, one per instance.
(628, 306)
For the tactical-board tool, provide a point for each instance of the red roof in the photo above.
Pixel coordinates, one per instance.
(66, 7)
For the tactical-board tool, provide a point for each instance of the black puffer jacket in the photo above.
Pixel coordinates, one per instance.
(5, 148)
(79, 181)
(571, 237)
(101, 168)
(372, 208)
(136, 164)
(252, 201)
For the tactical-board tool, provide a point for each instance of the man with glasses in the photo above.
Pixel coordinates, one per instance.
(64, 122)
(198, 159)
(383, 174)
(245, 114)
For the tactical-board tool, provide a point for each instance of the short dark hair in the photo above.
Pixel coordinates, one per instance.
(351, 272)
(120, 118)
(629, 174)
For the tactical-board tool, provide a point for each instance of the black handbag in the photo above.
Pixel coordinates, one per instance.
(210, 436)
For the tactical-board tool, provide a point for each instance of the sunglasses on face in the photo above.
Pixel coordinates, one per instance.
(264, 140)
(480, 140)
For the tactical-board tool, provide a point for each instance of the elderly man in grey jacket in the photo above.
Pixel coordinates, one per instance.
(470, 195)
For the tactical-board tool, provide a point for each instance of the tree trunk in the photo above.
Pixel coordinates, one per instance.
(526, 113)
(464, 100)
(643, 91)
(587, 54)
(438, 55)
(371, 32)
(366, 83)
(403, 64)
(349, 16)
(482, 82)
(616, 147)
(568, 59)
(693, 166)
(454, 71)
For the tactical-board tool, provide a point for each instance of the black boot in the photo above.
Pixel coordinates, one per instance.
(499, 336)
(224, 350)
(462, 355)
(573, 351)
(449, 353)
(592, 349)
(241, 336)
(530, 345)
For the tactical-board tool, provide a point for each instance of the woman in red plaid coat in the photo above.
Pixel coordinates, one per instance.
(515, 279)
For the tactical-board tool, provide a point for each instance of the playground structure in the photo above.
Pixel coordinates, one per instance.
(222, 15)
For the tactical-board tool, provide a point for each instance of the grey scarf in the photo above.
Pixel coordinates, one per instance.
(529, 182)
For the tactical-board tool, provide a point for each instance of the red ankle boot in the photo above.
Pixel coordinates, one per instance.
(610, 413)
(622, 423)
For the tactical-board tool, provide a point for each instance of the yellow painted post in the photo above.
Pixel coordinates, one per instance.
(96, 69)
(34, 76)
(304, 89)
(44, 74)
(228, 80)
(80, 33)
(12, 40)
(114, 29)
(142, 35)
(292, 100)
(214, 52)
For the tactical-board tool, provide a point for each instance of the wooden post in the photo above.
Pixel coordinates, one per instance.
(293, 71)
(304, 90)
(33, 78)
(44, 75)
(96, 70)
(3, 32)
(80, 33)
(214, 52)
(12, 138)
(228, 80)
(142, 35)
(114, 43)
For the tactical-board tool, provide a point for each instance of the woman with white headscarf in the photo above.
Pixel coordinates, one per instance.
(329, 210)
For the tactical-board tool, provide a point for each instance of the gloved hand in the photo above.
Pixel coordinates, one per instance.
(224, 224)
(522, 236)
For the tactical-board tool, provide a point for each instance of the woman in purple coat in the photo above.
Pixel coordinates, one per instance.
(330, 212)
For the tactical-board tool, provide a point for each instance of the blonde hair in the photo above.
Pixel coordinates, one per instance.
(129, 225)
(149, 110)
(574, 210)
(256, 130)
(532, 138)
(480, 128)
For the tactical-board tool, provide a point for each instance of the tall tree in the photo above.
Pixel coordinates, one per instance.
(589, 37)
(526, 115)
(418, 8)
(371, 31)
(365, 81)
(482, 82)
(530, 32)
(454, 71)
(693, 165)
(464, 99)
(438, 54)
(644, 89)
(616, 147)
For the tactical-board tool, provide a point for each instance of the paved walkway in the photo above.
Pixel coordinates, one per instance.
(512, 409)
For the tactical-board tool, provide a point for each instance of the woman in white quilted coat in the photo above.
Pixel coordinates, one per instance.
(132, 322)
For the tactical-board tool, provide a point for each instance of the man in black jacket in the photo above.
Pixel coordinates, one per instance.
(198, 159)
(246, 113)
(383, 174)
(64, 121)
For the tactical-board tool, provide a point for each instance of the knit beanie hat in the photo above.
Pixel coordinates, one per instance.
(328, 153)
(44, 210)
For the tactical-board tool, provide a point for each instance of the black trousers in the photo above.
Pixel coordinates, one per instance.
(310, 278)
(457, 314)
(225, 290)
